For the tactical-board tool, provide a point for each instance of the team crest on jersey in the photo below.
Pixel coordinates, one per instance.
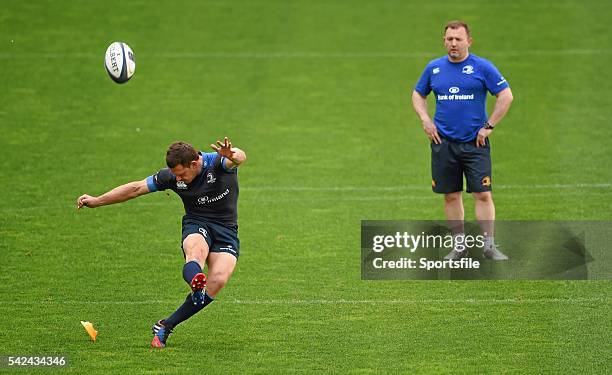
(486, 181)
(210, 178)
(181, 185)
(468, 69)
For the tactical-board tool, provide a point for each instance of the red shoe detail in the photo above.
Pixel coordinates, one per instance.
(198, 282)
(156, 343)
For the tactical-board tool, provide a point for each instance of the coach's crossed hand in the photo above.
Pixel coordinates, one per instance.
(225, 149)
(431, 131)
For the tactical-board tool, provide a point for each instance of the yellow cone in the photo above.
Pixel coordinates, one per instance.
(90, 330)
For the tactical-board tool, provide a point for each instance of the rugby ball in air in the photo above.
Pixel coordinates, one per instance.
(119, 62)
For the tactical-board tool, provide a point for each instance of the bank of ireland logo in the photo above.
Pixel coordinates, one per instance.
(453, 90)
(181, 185)
(468, 69)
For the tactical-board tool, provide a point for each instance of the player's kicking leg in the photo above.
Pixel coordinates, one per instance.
(196, 251)
(221, 265)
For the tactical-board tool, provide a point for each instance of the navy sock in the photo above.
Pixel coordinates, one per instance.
(190, 269)
(186, 311)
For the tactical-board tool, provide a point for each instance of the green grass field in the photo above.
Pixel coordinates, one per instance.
(318, 95)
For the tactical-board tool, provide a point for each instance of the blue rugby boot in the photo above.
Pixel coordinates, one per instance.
(160, 334)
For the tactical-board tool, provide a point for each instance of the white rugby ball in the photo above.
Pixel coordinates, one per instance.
(119, 62)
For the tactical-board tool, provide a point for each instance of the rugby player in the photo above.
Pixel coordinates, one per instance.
(207, 183)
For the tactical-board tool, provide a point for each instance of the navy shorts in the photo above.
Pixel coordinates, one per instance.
(450, 161)
(220, 238)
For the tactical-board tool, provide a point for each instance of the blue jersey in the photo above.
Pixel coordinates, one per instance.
(213, 193)
(461, 94)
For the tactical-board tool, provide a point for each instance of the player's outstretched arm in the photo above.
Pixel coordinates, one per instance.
(234, 156)
(119, 194)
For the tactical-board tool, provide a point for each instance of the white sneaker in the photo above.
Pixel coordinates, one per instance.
(493, 253)
(455, 255)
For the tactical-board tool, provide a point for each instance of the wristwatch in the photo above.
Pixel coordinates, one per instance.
(488, 126)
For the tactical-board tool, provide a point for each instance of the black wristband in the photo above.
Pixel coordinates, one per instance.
(488, 126)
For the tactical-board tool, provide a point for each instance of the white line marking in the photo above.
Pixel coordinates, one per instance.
(416, 302)
(604, 186)
(598, 185)
(335, 302)
(244, 55)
